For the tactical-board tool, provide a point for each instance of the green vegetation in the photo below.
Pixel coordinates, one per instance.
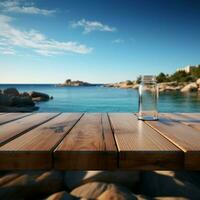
(182, 76)
(138, 81)
(162, 78)
(128, 82)
(196, 72)
(179, 76)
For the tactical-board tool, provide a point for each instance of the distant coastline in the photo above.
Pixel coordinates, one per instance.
(186, 79)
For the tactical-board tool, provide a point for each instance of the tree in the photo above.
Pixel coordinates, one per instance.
(139, 79)
(128, 82)
(179, 76)
(196, 72)
(162, 78)
(68, 81)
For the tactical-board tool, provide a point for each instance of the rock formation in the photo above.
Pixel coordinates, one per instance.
(163, 87)
(13, 101)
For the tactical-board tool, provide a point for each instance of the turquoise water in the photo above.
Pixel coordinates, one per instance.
(101, 99)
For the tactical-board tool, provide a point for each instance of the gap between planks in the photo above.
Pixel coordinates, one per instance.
(14, 129)
(113, 133)
(33, 150)
(141, 147)
(9, 117)
(89, 145)
(183, 136)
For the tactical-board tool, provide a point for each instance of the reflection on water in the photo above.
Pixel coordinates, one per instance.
(179, 102)
(100, 99)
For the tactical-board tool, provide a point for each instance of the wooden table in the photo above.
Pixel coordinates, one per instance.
(99, 141)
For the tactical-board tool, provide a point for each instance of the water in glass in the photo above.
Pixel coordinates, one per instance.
(148, 98)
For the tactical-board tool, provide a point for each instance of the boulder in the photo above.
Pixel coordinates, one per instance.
(18, 188)
(103, 191)
(8, 177)
(61, 196)
(170, 198)
(11, 92)
(13, 101)
(142, 197)
(192, 177)
(24, 94)
(22, 101)
(90, 190)
(117, 192)
(172, 88)
(136, 86)
(18, 109)
(198, 82)
(17, 101)
(5, 100)
(166, 184)
(127, 178)
(49, 182)
(26, 184)
(169, 86)
(191, 87)
(39, 96)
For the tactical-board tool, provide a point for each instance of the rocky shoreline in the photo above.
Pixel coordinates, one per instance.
(11, 100)
(163, 87)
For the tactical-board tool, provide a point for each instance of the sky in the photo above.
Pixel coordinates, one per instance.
(98, 41)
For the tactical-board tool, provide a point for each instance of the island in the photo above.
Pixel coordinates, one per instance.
(76, 83)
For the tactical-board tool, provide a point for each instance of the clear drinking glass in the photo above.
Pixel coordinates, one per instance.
(148, 98)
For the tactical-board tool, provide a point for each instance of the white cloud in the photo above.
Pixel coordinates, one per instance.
(118, 41)
(89, 26)
(36, 41)
(20, 6)
(7, 52)
(5, 49)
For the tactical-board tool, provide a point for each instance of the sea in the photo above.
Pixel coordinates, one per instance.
(105, 99)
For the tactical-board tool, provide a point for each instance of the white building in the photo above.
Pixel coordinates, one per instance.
(187, 69)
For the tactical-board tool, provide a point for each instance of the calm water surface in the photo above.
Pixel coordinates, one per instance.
(101, 99)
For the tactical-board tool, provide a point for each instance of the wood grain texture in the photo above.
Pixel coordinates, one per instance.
(187, 119)
(89, 145)
(183, 136)
(67, 141)
(8, 117)
(33, 150)
(192, 115)
(140, 147)
(18, 127)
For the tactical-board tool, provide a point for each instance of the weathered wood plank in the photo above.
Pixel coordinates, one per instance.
(187, 119)
(33, 150)
(183, 136)
(192, 115)
(142, 148)
(89, 145)
(8, 117)
(16, 128)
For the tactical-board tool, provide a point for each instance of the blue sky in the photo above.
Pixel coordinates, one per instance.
(99, 41)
